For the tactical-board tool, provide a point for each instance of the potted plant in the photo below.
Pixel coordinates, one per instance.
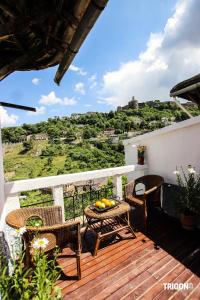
(141, 151)
(188, 199)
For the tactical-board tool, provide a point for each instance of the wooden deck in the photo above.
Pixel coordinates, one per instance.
(137, 268)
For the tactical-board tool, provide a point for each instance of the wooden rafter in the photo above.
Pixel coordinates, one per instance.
(41, 33)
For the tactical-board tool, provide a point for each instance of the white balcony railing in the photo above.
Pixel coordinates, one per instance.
(56, 183)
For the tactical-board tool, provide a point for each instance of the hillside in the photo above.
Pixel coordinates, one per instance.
(81, 142)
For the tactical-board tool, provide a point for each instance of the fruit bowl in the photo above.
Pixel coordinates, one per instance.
(104, 205)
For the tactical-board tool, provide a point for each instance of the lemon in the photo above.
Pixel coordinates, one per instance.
(112, 202)
(98, 203)
(102, 205)
(104, 200)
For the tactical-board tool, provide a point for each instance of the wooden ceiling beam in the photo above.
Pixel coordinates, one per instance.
(7, 10)
(14, 65)
(92, 13)
(69, 18)
(40, 34)
(5, 37)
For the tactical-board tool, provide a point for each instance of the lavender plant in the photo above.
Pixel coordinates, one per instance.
(188, 200)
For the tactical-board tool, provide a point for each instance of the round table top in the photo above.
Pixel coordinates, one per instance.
(121, 208)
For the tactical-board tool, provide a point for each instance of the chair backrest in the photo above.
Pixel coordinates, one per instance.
(150, 181)
(49, 215)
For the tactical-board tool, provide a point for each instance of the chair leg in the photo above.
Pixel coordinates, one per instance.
(97, 245)
(129, 225)
(145, 218)
(86, 229)
(27, 257)
(78, 264)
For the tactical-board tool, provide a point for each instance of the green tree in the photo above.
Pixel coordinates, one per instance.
(70, 136)
(27, 145)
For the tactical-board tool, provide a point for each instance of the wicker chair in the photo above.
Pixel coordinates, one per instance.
(58, 233)
(150, 197)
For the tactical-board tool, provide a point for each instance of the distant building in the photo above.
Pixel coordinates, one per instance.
(109, 131)
(114, 139)
(22, 138)
(89, 113)
(133, 103)
(38, 137)
(76, 115)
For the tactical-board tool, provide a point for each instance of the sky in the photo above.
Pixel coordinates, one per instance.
(137, 48)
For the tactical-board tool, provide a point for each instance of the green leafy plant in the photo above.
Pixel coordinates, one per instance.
(36, 283)
(188, 197)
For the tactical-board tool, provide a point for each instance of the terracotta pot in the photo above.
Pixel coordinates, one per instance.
(140, 160)
(188, 222)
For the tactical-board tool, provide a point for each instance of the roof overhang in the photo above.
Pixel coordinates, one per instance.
(39, 34)
(188, 89)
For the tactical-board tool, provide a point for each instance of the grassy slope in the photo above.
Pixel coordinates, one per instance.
(26, 165)
(19, 165)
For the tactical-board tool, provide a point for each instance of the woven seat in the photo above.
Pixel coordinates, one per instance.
(150, 197)
(58, 233)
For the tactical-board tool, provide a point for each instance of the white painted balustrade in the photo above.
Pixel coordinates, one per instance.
(56, 183)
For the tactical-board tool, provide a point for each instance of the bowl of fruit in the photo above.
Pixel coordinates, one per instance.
(104, 204)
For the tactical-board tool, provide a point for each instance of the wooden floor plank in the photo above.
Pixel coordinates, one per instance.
(134, 261)
(105, 265)
(86, 257)
(75, 285)
(137, 268)
(167, 293)
(132, 279)
(195, 293)
(182, 294)
(154, 266)
(152, 289)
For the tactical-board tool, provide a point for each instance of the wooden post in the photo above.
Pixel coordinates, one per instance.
(117, 181)
(58, 198)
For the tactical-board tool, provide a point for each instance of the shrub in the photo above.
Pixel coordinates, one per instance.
(36, 283)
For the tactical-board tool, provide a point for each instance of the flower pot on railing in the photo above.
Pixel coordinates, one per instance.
(141, 152)
(140, 160)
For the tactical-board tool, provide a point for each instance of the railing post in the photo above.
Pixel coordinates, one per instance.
(59, 198)
(117, 181)
(11, 203)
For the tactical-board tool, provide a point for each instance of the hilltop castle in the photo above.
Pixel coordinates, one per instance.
(134, 104)
(131, 104)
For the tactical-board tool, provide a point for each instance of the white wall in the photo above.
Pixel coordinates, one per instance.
(175, 145)
(2, 194)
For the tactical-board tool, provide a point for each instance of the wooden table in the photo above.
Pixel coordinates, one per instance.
(105, 224)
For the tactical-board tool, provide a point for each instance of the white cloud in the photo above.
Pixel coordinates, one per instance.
(93, 81)
(170, 56)
(35, 81)
(6, 119)
(88, 105)
(39, 111)
(69, 101)
(80, 88)
(102, 101)
(78, 70)
(52, 99)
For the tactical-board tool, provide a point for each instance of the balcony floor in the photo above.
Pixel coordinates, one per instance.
(137, 268)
